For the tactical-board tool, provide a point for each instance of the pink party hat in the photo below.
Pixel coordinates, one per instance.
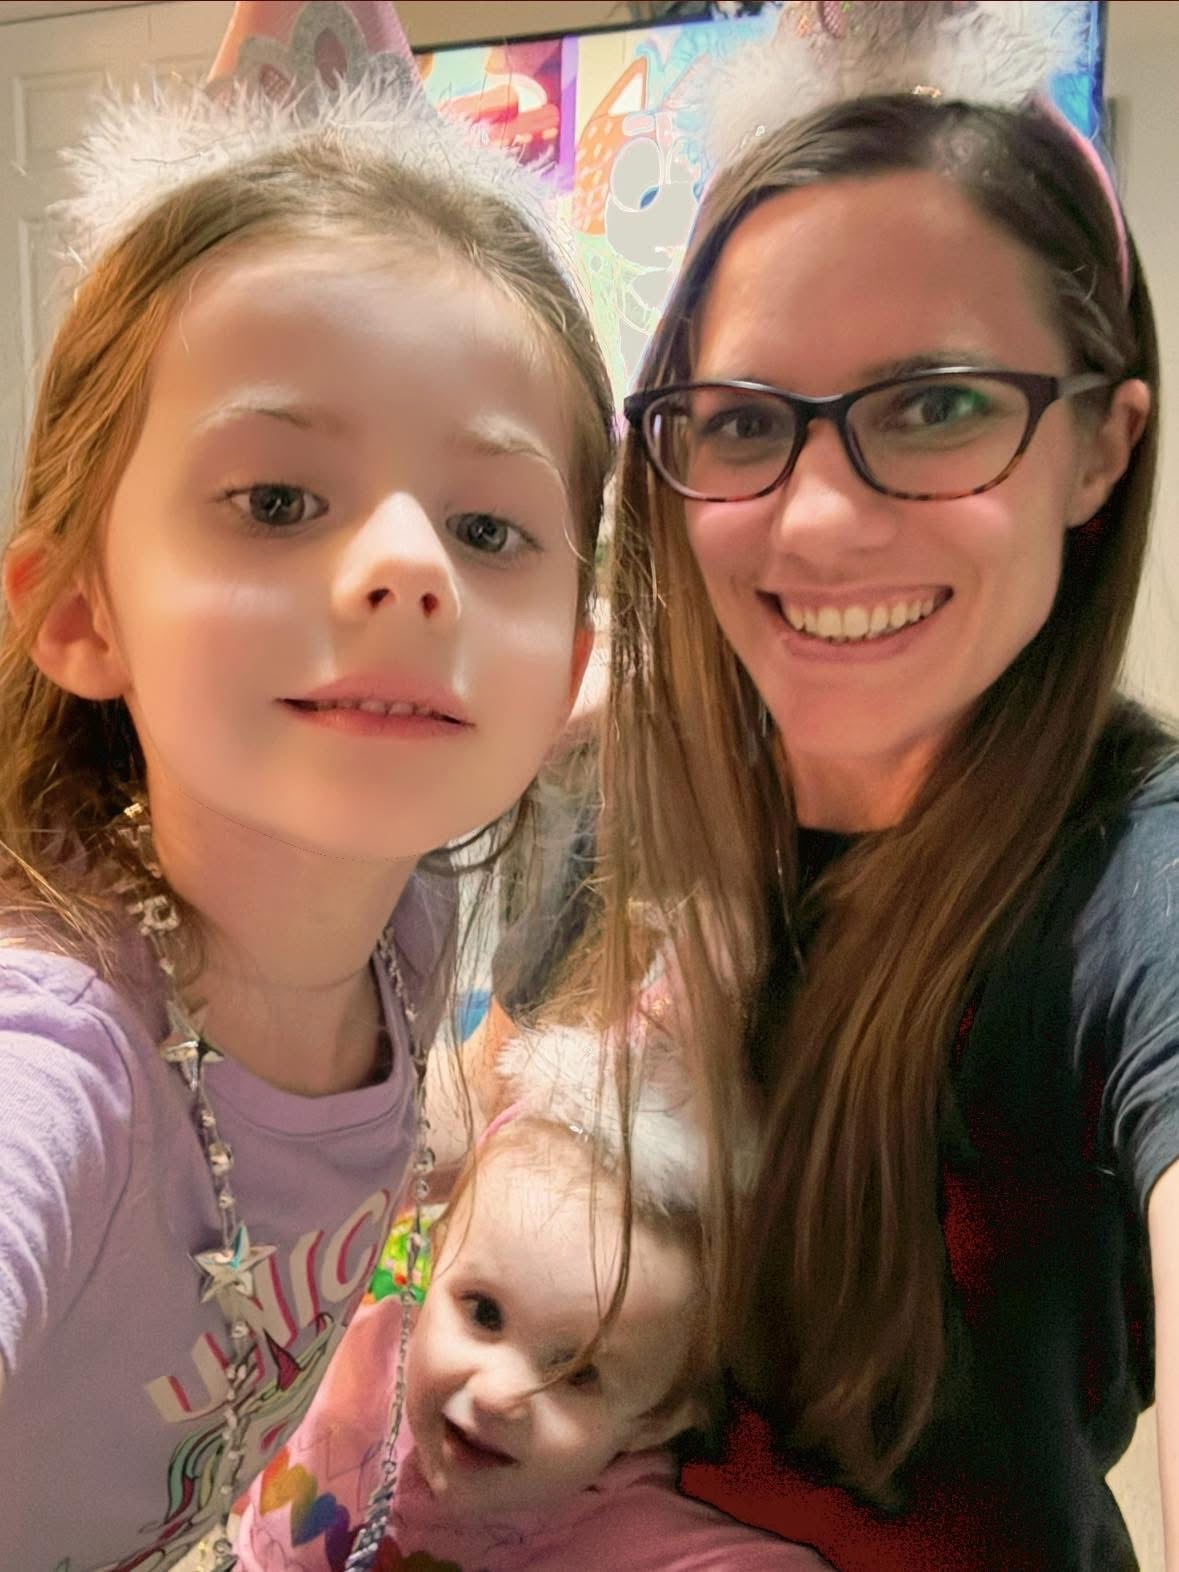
(283, 46)
(286, 69)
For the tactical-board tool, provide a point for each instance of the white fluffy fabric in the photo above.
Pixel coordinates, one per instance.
(564, 1075)
(997, 52)
(142, 146)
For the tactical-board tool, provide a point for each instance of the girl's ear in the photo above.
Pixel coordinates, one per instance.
(1109, 450)
(583, 647)
(75, 645)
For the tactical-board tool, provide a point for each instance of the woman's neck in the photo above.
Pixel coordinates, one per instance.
(853, 795)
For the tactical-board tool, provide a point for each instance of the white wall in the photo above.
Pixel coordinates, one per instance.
(1142, 80)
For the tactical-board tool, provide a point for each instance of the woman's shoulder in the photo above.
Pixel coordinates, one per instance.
(1132, 860)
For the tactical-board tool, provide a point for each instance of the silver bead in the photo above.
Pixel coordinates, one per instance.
(220, 1159)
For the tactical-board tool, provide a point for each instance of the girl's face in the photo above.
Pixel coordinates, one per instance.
(822, 291)
(340, 571)
(514, 1296)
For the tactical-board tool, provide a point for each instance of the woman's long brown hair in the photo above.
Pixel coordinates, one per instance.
(830, 1283)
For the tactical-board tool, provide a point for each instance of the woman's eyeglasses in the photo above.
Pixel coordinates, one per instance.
(931, 436)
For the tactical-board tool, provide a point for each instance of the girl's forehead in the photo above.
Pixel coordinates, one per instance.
(364, 335)
(839, 278)
(534, 1219)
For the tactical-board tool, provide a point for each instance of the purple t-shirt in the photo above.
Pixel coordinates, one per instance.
(110, 1425)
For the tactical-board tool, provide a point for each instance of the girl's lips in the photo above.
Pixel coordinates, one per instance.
(369, 723)
(469, 1452)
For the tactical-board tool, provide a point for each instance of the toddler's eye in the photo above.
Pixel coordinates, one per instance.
(484, 1312)
(486, 533)
(276, 506)
(587, 1379)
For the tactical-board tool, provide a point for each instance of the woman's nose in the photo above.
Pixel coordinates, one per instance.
(824, 509)
(397, 559)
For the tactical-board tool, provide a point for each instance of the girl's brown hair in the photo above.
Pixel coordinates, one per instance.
(829, 1288)
(68, 765)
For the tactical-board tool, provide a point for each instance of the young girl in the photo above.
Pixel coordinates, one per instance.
(529, 1441)
(868, 765)
(297, 594)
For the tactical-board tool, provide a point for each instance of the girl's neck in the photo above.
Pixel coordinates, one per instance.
(288, 934)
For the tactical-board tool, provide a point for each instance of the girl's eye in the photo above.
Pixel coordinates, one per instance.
(486, 533)
(587, 1379)
(484, 1312)
(274, 505)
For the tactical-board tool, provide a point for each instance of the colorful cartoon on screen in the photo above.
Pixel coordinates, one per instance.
(608, 119)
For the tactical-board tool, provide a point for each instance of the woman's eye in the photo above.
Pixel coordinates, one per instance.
(748, 423)
(484, 532)
(938, 406)
(274, 505)
(484, 1312)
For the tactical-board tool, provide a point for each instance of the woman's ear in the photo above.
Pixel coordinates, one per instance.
(74, 645)
(1109, 448)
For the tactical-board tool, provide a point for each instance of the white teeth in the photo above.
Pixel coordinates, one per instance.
(855, 623)
(374, 707)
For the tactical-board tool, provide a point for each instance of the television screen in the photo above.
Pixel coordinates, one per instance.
(611, 120)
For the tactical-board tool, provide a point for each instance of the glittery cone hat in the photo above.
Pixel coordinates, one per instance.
(284, 46)
(286, 69)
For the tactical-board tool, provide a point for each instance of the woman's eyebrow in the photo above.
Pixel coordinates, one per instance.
(929, 360)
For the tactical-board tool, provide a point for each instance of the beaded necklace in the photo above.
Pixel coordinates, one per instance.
(228, 1267)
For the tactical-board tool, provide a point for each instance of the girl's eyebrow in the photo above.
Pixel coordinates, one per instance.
(496, 436)
(249, 405)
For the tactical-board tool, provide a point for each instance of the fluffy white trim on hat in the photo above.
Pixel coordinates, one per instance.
(996, 52)
(564, 1074)
(145, 145)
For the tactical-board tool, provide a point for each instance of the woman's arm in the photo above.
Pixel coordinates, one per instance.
(1163, 1220)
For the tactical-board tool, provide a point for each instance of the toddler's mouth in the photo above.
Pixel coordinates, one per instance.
(469, 1450)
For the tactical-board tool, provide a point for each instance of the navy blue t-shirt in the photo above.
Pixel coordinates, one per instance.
(1066, 1074)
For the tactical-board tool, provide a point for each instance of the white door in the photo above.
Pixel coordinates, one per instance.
(50, 70)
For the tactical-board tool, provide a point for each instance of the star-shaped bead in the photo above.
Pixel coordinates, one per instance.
(232, 1268)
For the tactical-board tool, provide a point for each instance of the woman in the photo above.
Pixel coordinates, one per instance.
(867, 773)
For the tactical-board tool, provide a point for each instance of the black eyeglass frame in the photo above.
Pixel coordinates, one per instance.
(1041, 392)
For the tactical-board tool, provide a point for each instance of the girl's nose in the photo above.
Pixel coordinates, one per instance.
(500, 1390)
(396, 559)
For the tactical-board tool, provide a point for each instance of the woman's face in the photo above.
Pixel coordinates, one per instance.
(819, 292)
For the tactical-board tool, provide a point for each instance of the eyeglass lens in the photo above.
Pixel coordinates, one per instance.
(937, 437)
